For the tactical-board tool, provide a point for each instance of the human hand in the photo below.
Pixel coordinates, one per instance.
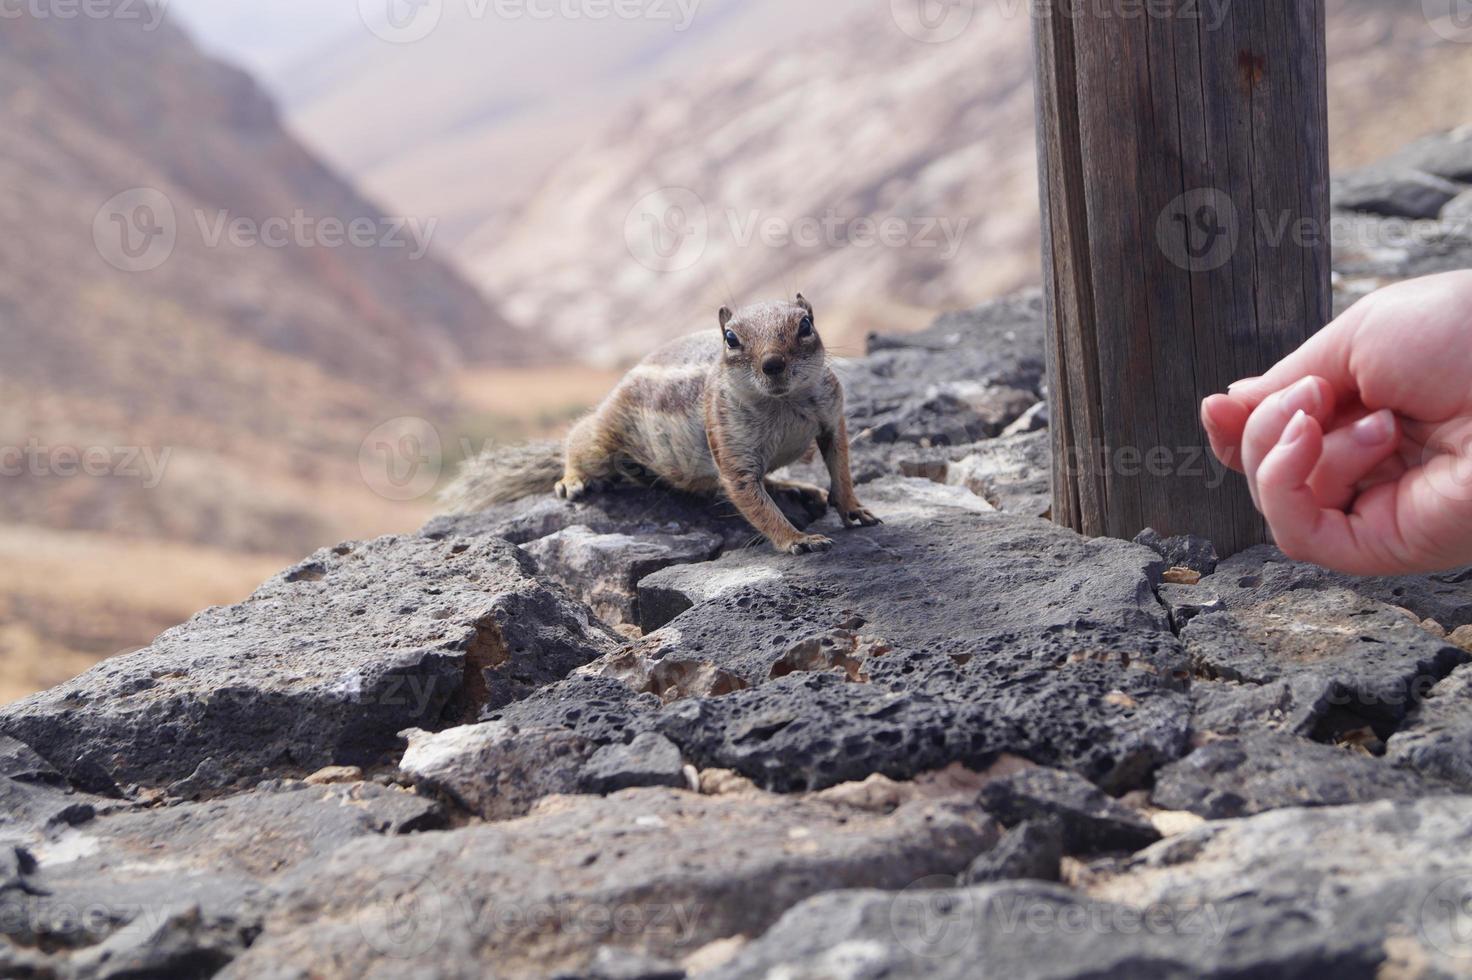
(1358, 446)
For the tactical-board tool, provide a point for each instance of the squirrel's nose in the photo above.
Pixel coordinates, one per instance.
(774, 365)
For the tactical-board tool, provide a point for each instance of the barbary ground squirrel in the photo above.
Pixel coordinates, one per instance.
(709, 413)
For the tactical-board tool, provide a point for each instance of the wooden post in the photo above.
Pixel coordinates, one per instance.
(1183, 159)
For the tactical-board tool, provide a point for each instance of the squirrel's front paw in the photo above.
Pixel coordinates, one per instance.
(857, 515)
(805, 544)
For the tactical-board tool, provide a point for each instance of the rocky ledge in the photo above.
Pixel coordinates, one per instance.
(611, 740)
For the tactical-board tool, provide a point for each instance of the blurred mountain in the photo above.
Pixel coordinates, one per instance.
(174, 390)
(864, 122)
(119, 138)
(462, 110)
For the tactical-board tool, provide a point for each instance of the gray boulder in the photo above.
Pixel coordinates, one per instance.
(656, 871)
(1091, 822)
(1357, 891)
(1267, 771)
(649, 760)
(180, 891)
(1317, 654)
(325, 664)
(1398, 194)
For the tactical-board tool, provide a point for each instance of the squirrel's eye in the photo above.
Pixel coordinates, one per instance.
(806, 329)
(733, 341)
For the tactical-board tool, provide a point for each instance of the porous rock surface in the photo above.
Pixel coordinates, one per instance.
(623, 738)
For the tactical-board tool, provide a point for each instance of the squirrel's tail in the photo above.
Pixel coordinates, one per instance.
(502, 474)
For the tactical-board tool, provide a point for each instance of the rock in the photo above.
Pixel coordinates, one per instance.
(613, 963)
(1268, 771)
(1032, 420)
(649, 760)
(1401, 194)
(332, 775)
(1182, 551)
(906, 498)
(600, 709)
(1436, 739)
(1446, 155)
(1459, 209)
(323, 665)
(655, 871)
(634, 511)
(1186, 602)
(1011, 473)
(1030, 851)
(999, 344)
(34, 797)
(1091, 821)
(1315, 654)
(604, 569)
(1462, 637)
(1263, 896)
(1041, 673)
(180, 890)
(495, 770)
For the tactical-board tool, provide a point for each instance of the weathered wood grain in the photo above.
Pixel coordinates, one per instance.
(1183, 164)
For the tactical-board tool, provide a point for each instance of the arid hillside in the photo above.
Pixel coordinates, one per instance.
(200, 326)
(782, 168)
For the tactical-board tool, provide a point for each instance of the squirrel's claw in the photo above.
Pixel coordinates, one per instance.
(859, 516)
(808, 543)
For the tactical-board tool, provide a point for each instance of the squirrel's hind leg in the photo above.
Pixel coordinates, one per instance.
(589, 467)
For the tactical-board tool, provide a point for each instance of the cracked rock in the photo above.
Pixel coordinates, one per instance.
(1436, 739)
(604, 569)
(1030, 851)
(1264, 896)
(1267, 771)
(652, 871)
(1091, 821)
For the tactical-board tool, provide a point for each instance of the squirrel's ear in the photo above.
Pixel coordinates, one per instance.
(725, 316)
(803, 302)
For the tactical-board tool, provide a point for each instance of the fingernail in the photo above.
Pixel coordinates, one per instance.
(1375, 430)
(1244, 381)
(1304, 397)
(1297, 429)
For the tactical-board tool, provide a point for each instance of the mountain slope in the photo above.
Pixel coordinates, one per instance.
(862, 123)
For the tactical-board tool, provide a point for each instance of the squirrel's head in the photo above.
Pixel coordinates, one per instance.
(772, 349)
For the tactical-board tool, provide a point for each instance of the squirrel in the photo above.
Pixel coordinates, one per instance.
(708, 413)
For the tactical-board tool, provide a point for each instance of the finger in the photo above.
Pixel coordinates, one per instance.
(1312, 396)
(1352, 455)
(1363, 543)
(1224, 418)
